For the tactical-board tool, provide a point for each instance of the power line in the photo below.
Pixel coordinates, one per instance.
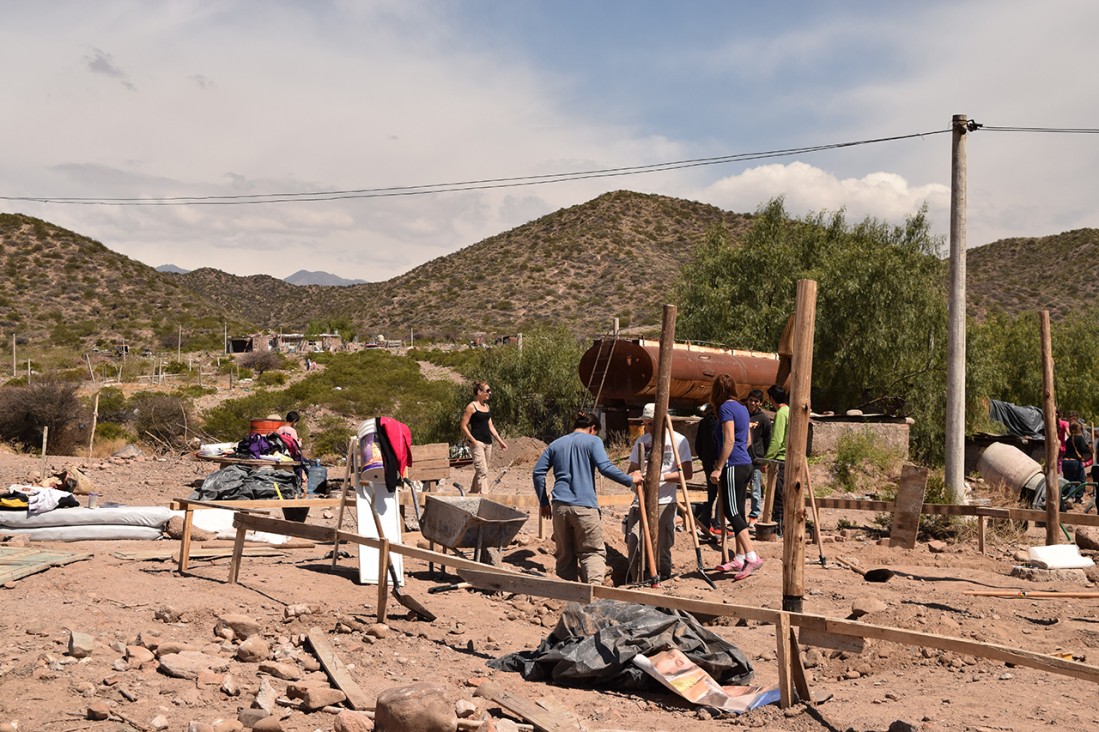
(1057, 130)
(460, 186)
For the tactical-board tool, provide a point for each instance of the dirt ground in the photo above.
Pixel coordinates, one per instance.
(116, 601)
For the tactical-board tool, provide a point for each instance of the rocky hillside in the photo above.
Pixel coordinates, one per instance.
(615, 256)
(1059, 272)
(64, 289)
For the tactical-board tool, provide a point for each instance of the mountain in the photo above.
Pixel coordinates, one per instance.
(618, 255)
(305, 277)
(64, 289)
(1059, 273)
(172, 269)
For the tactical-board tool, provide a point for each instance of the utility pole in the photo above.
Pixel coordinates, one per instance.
(179, 345)
(955, 348)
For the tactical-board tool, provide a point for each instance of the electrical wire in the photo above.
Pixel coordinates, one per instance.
(454, 187)
(1056, 130)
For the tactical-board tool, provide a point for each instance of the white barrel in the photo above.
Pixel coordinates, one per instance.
(1008, 467)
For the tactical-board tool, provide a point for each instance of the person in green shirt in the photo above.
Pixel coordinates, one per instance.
(776, 451)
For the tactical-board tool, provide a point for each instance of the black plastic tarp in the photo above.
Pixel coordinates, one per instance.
(241, 483)
(593, 645)
(1020, 421)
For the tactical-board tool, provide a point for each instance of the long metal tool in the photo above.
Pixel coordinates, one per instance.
(690, 519)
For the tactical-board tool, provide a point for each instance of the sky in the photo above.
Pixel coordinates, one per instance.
(122, 99)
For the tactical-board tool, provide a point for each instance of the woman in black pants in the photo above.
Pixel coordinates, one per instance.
(733, 470)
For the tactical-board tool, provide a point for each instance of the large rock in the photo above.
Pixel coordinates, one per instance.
(420, 707)
(865, 605)
(188, 664)
(129, 451)
(241, 625)
(1087, 537)
(253, 650)
(348, 721)
(319, 697)
(80, 644)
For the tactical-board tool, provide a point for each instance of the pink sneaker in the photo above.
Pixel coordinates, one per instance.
(750, 567)
(733, 565)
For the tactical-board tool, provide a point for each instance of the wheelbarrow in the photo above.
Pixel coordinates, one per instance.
(469, 522)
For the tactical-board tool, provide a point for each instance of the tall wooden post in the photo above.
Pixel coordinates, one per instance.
(45, 439)
(663, 390)
(179, 345)
(14, 362)
(797, 435)
(1053, 446)
(955, 346)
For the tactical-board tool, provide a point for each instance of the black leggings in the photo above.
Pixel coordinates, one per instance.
(734, 483)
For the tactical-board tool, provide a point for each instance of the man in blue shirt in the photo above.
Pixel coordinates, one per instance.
(577, 528)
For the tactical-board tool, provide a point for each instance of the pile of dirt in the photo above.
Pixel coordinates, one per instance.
(521, 452)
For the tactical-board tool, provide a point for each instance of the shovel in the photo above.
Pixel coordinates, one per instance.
(816, 519)
(687, 501)
(881, 574)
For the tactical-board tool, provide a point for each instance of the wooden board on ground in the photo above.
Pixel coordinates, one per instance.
(163, 555)
(541, 718)
(909, 504)
(19, 562)
(337, 671)
(528, 585)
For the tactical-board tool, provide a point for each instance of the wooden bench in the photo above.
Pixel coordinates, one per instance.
(430, 464)
(189, 506)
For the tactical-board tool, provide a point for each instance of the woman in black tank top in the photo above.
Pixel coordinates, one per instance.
(479, 432)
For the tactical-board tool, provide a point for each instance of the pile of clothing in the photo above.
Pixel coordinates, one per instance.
(274, 446)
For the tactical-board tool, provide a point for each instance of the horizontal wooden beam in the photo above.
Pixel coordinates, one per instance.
(949, 509)
(819, 623)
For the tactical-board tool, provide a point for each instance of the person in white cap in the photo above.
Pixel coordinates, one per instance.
(669, 484)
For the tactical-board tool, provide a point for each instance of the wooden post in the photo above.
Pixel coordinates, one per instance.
(179, 345)
(769, 494)
(663, 390)
(14, 362)
(1049, 412)
(801, 379)
(785, 672)
(45, 437)
(383, 578)
(28, 371)
(238, 552)
(350, 474)
(95, 419)
(981, 534)
(91, 371)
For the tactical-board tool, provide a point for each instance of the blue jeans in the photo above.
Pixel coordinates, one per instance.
(757, 491)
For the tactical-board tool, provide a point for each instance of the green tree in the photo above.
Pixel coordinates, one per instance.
(881, 307)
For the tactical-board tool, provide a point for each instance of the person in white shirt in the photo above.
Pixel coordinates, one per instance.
(669, 477)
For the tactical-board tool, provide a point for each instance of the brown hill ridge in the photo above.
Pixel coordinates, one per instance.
(616, 256)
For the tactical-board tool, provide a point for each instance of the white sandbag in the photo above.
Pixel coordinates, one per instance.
(219, 521)
(146, 516)
(1059, 556)
(87, 532)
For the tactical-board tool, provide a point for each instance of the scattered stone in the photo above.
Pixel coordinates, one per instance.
(173, 647)
(936, 547)
(268, 724)
(378, 630)
(1087, 537)
(284, 671)
(120, 664)
(901, 726)
(811, 658)
(464, 709)
(159, 722)
(242, 625)
(1074, 576)
(129, 452)
(253, 650)
(348, 721)
(265, 696)
(80, 644)
(318, 697)
(139, 655)
(297, 689)
(229, 685)
(98, 710)
(199, 727)
(167, 614)
(420, 707)
(188, 664)
(852, 674)
(227, 725)
(309, 663)
(864, 669)
(865, 605)
(249, 717)
(1021, 556)
(294, 611)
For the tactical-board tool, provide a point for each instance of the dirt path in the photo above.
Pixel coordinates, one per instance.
(117, 600)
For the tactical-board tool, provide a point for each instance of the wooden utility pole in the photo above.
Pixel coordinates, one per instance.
(91, 371)
(797, 435)
(1053, 444)
(179, 345)
(14, 363)
(663, 391)
(955, 346)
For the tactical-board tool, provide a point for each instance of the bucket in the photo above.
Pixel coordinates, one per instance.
(296, 513)
(265, 426)
(766, 532)
(1006, 466)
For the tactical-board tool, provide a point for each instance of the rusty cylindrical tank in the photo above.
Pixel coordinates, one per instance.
(624, 371)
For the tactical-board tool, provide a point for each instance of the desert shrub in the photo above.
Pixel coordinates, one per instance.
(329, 437)
(855, 453)
(112, 431)
(26, 410)
(272, 378)
(260, 361)
(194, 391)
(112, 406)
(165, 418)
